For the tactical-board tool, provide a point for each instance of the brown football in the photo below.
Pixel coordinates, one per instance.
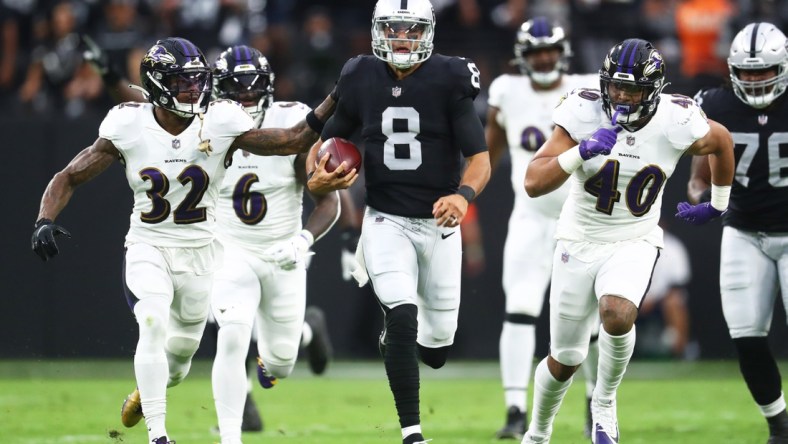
(341, 150)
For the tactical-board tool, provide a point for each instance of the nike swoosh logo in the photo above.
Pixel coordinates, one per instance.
(444, 236)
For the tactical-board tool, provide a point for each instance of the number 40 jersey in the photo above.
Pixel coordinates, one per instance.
(175, 184)
(619, 197)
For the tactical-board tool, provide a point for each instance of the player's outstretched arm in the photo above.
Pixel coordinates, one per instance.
(450, 210)
(116, 84)
(544, 173)
(284, 142)
(88, 164)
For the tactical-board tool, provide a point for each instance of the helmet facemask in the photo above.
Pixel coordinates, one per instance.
(242, 74)
(636, 68)
(538, 34)
(176, 77)
(757, 48)
(403, 38)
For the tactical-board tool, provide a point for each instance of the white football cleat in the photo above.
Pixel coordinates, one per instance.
(605, 421)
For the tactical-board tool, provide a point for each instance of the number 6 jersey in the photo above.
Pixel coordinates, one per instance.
(618, 197)
(415, 130)
(175, 184)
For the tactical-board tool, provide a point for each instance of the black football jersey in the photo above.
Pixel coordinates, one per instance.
(759, 196)
(415, 132)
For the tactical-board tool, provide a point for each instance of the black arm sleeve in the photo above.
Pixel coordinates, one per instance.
(467, 128)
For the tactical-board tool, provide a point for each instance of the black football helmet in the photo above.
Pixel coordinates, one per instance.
(539, 33)
(172, 67)
(242, 74)
(634, 65)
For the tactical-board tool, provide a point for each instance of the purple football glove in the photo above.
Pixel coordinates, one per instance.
(601, 142)
(697, 214)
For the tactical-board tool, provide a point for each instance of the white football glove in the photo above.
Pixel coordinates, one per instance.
(292, 252)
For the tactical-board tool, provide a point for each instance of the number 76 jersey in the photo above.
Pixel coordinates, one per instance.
(619, 197)
(175, 184)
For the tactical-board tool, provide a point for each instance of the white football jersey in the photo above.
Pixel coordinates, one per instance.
(175, 185)
(260, 201)
(526, 115)
(618, 197)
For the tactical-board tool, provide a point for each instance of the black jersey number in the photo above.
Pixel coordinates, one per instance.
(778, 165)
(250, 206)
(187, 212)
(642, 190)
(401, 125)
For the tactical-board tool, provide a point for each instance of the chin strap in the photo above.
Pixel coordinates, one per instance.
(140, 89)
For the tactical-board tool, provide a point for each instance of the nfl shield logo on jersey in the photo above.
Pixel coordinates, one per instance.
(396, 91)
(630, 140)
(564, 257)
(176, 143)
(763, 119)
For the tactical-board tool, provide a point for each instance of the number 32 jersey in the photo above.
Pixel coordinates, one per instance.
(618, 197)
(175, 184)
(415, 130)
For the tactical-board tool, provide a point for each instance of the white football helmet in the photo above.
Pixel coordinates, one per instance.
(759, 46)
(393, 18)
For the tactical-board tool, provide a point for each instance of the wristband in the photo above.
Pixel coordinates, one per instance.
(570, 160)
(466, 192)
(310, 239)
(42, 221)
(720, 195)
(314, 123)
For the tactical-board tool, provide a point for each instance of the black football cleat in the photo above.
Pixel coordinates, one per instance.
(515, 424)
(319, 350)
(778, 428)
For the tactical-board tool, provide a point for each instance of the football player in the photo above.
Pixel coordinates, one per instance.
(754, 246)
(619, 144)
(254, 83)
(262, 283)
(175, 151)
(519, 117)
(419, 132)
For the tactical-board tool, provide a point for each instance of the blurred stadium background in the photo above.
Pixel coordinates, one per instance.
(52, 102)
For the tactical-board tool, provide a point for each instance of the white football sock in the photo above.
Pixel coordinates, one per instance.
(774, 408)
(150, 362)
(516, 348)
(407, 431)
(590, 366)
(228, 378)
(614, 355)
(548, 395)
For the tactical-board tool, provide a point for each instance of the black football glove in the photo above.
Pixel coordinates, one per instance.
(98, 59)
(43, 240)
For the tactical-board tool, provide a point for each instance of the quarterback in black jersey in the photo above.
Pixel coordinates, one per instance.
(754, 245)
(425, 159)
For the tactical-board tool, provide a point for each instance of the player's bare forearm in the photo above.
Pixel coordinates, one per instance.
(277, 141)
(722, 163)
(495, 136)
(544, 173)
(700, 178)
(477, 174)
(325, 109)
(88, 164)
(324, 215)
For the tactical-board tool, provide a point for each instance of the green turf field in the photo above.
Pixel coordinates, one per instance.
(58, 402)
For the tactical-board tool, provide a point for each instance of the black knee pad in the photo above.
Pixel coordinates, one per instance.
(434, 357)
(759, 369)
(401, 324)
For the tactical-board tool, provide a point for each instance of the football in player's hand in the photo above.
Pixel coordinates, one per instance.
(341, 150)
